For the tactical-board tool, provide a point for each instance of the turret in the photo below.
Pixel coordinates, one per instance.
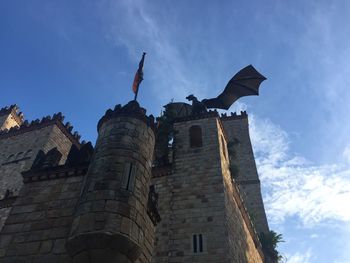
(10, 117)
(111, 223)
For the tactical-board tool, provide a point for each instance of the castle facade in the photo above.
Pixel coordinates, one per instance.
(63, 200)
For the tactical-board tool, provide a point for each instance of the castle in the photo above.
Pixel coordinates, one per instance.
(136, 196)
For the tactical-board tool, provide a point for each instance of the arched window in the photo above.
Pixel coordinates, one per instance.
(195, 136)
(28, 153)
(19, 155)
(10, 158)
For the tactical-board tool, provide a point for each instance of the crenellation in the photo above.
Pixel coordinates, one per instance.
(20, 145)
(10, 117)
(66, 201)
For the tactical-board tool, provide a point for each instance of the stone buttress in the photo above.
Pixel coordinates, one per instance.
(111, 222)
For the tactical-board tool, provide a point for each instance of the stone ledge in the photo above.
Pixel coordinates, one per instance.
(57, 172)
(16, 161)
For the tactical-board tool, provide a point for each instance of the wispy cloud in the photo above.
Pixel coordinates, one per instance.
(321, 58)
(300, 196)
(295, 187)
(133, 26)
(299, 257)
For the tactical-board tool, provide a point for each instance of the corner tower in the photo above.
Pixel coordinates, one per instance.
(203, 216)
(243, 167)
(10, 117)
(111, 222)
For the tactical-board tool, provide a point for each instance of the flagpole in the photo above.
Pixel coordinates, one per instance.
(137, 91)
(138, 76)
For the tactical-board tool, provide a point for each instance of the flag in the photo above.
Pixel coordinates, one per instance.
(138, 76)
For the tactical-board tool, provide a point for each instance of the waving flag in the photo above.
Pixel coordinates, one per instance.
(138, 76)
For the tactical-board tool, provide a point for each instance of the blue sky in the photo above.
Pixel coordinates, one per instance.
(79, 57)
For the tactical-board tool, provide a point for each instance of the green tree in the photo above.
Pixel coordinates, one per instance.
(269, 242)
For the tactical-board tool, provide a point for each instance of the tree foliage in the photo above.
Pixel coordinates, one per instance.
(269, 242)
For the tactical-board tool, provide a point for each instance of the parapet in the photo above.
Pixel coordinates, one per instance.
(55, 119)
(46, 166)
(234, 116)
(132, 109)
(209, 114)
(14, 110)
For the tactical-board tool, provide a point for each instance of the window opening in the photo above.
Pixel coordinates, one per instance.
(19, 155)
(200, 243)
(128, 179)
(10, 157)
(195, 136)
(195, 243)
(129, 176)
(28, 153)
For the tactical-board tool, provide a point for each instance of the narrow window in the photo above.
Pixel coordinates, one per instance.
(28, 153)
(197, 243)
(129, 176)
(194, 240)
(19, 155)
(10, 158)
(195, 136)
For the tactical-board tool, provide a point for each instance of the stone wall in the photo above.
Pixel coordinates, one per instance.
(243, 243)
(165, 192)
(18, 149)
(243, 168)
(41, 217)
(195, 199)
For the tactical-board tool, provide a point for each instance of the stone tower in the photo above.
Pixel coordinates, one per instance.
(243, 168)
(204, 218)
(111, 223)
(10, 117)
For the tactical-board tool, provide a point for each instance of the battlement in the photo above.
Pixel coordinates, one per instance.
(234, 116)
(9, 109)
(131, 109)
(15, 113)
(61, 171)
(56, 119)
(209, 114)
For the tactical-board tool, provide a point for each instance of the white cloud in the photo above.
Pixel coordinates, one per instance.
(313, 236)
(299, 257)
(346, 153)
(295, 187)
